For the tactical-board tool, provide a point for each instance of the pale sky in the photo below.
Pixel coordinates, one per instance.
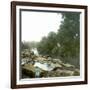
(35, 25)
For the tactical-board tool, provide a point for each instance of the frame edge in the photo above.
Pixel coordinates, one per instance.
(13, 45)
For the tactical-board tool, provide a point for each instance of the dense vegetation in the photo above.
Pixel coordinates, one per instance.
(65, 44)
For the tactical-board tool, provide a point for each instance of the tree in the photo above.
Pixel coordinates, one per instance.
(65, 44)
(69, 37)
(24, 45)
(41, 47)
(47, 44)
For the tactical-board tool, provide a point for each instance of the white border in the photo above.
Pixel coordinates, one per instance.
(57, 79)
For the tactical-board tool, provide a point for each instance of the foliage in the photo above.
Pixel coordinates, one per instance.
(47, 45)
(28, 45)
(64, 44)
(69, 38)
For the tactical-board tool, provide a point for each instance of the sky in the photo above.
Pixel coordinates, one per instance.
(35, 25)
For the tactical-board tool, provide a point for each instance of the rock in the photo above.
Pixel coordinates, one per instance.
(59, 73)
(47, 66)
(28, 70)
(76, 72)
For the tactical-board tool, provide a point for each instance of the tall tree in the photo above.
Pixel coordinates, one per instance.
(69, 37)
(47, 44)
